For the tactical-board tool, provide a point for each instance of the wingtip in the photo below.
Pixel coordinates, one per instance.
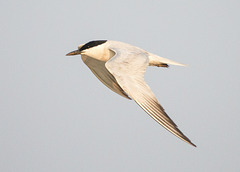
(192, 144)
(188, 141)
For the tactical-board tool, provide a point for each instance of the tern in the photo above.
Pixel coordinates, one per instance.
(121, 67)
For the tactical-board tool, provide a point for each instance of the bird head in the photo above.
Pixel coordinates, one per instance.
(90, 47)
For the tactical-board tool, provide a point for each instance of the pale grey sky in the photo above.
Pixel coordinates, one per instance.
(56, 116)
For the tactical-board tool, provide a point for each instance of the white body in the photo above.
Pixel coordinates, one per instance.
(121, 68)
(103, 52)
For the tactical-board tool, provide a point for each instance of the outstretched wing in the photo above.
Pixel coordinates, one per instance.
(128, 67)
(99, 70)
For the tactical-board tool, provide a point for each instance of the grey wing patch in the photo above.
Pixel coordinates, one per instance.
(99, 70)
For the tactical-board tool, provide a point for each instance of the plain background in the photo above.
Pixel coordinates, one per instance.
(56, 116)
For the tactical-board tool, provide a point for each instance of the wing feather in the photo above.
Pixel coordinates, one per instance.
(99, 70)
(128, 68)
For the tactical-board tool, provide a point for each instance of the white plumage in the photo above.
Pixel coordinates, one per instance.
(121, 68)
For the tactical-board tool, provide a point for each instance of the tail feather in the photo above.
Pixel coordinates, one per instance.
(155, 60)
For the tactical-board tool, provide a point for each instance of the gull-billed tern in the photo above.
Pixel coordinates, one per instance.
(121, 68)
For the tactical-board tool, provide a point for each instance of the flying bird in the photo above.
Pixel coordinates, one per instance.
(121, 68)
